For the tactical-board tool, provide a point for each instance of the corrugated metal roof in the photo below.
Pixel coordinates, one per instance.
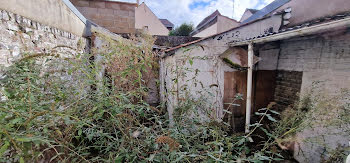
(266, 10)
(303, 25)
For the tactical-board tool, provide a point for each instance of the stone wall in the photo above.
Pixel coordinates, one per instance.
(54, 13)
(20, 35)
(172, 41)
(118, 17)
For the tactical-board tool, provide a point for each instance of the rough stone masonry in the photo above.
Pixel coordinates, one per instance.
(19, 36)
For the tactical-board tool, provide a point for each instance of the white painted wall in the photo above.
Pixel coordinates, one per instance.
(211, 70)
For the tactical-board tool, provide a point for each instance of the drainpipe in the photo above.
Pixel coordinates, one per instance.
(249, 86)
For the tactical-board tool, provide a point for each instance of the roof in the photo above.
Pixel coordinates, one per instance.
(298, 28)
(196, 41)
(266, 10)
(253, 11)
(206, 21)
(118, 1)
(309, 24)
(167, 23)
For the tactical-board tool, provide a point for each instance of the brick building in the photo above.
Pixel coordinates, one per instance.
(118, 17)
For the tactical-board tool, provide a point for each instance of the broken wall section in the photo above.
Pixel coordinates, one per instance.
(129, 64)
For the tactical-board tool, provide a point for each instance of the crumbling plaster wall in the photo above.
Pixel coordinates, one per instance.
(301, 63)
(206, 58)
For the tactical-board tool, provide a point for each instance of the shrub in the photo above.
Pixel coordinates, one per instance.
(61, 110)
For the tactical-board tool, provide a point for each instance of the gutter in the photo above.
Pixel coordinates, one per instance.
(298, 32)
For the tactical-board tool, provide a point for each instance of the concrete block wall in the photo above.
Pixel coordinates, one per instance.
(118, 17)
(302, 62)
(324, 58)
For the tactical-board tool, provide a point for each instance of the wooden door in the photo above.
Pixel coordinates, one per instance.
(236, 83)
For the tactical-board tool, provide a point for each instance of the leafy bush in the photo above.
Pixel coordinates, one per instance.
(183, 30)
(59, 109)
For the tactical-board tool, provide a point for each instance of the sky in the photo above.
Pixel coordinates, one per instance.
(193, 11)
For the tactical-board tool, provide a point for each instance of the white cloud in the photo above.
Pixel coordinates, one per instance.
(178, 11)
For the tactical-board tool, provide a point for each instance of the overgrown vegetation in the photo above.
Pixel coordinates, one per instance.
(183, 30)
(91, 108)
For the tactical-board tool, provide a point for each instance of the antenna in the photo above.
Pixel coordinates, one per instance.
(233, 8)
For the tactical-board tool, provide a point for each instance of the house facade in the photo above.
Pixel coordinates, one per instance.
(117, 17)
(146, 20)
(213, 24)
(247, 13)
(169, 25)
(278, 56)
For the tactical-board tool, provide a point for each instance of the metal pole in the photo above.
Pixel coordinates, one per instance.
(249, 86)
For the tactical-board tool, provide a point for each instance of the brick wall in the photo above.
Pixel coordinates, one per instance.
(288, 84)
(118, 17)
